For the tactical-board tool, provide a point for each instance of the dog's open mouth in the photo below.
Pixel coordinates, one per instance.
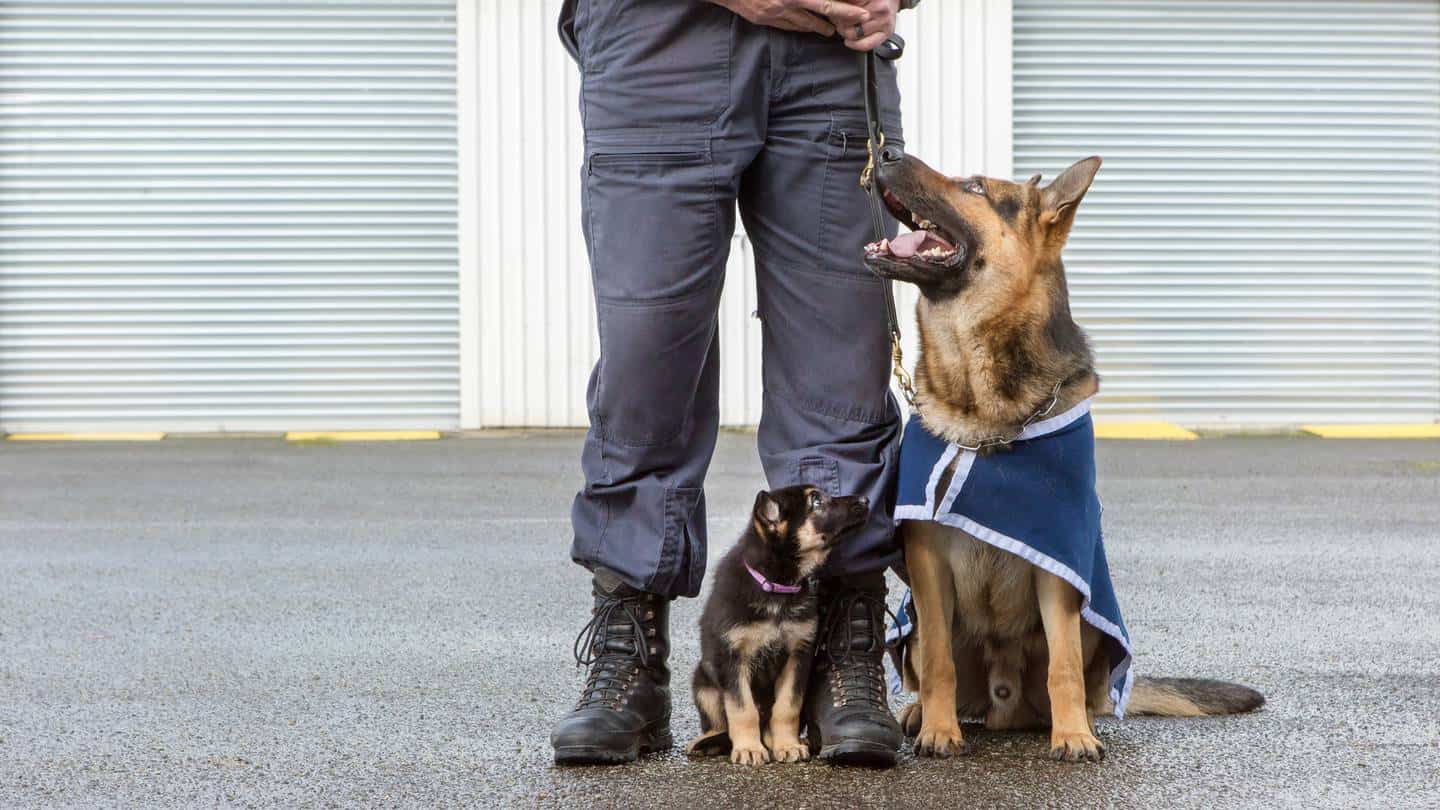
(925, 242)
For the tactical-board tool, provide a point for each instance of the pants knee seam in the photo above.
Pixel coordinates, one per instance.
(853, 413)
(710, 287)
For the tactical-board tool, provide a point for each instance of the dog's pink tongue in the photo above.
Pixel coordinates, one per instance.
(907, 244)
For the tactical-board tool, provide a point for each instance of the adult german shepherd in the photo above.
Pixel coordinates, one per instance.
(995, 635)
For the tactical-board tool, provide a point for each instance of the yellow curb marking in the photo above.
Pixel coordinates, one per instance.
(361, 435)
(1420, 431)
(85, 437)
(1142, 430)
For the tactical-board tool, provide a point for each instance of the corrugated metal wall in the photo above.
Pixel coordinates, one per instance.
(222, 215)
(536, 332)
(1262, 244)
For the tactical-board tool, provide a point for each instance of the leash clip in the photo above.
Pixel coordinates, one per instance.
(871, 147)
(897, 368)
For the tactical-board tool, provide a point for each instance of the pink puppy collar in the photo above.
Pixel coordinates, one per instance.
(771, 587)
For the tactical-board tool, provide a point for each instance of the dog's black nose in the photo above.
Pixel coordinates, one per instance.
(862, 504)
(890, 154)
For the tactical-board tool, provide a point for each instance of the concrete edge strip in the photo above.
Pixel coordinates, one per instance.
(85, 437)
(361, 435)
(1143, 430)
(1394, 431)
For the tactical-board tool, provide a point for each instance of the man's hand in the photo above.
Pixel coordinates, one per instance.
(820, 16)
(873, 31)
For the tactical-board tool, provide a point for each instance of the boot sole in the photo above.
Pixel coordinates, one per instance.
(653, 741)
(859, 753)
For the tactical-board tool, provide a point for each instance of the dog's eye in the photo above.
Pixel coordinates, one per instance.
(815, 501)
(974, 187)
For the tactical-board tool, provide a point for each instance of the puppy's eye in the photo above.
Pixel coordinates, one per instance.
(815, 501)
(974, 187)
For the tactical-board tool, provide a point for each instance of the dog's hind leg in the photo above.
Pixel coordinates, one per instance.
(714, 739)
(1071, 735)
(933, 587)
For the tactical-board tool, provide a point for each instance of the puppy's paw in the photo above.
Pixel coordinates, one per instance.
(749, 755)
(910, 719)
(941, 741)
(792, 752)
(1075, 747)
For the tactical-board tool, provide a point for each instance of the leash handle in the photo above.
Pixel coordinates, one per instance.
(874, 142)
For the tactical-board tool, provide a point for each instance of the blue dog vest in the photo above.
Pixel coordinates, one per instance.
(1036, 499)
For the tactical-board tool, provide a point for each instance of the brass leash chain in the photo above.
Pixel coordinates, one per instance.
(897, 370)
(871, 148)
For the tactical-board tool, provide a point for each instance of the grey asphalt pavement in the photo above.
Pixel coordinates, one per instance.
(245, 622)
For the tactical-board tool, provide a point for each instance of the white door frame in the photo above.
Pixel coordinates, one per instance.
(467, 133)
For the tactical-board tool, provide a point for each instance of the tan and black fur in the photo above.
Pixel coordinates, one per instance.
(997, 638)
(755, 646)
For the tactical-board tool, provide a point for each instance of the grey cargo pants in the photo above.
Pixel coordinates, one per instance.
(689, 109)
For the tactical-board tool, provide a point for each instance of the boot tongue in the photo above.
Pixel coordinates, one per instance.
(625, 619)
(858, 629)
(608, 582)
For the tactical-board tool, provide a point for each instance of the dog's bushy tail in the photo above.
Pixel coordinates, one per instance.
(1191, 697)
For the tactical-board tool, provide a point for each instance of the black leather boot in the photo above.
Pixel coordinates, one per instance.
(846, 712)
(625, 709)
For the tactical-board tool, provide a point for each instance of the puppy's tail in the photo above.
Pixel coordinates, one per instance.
(1191, 697)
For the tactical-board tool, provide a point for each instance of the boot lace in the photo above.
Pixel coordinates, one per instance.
(857, 672)
(611, 671)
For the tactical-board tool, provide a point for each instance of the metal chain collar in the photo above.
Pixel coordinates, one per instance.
(997, 441)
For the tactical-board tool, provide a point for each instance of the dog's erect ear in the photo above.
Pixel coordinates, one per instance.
(1034, 180)
(1058, 200)
(767, 511)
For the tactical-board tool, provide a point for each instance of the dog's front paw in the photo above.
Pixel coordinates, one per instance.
(749, 755)
(1075, 747)
(792, 752)
(940, 741)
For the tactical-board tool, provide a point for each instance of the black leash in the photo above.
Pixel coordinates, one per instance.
(889, 50)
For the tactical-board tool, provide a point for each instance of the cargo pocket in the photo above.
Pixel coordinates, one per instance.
(657, 255)
(823, 473)
(845, 226)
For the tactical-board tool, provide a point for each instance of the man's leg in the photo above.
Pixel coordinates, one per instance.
(829, 419)
(658, 216)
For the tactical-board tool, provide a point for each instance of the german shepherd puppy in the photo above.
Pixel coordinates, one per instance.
(759, 624)
(997, 637)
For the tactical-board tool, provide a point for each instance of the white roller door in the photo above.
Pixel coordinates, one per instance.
(1262, 245)
(218, 214)
(536, 338)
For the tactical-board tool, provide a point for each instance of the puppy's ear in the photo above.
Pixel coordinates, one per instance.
(1058, 200)
(1034, 180)
(767, 513)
